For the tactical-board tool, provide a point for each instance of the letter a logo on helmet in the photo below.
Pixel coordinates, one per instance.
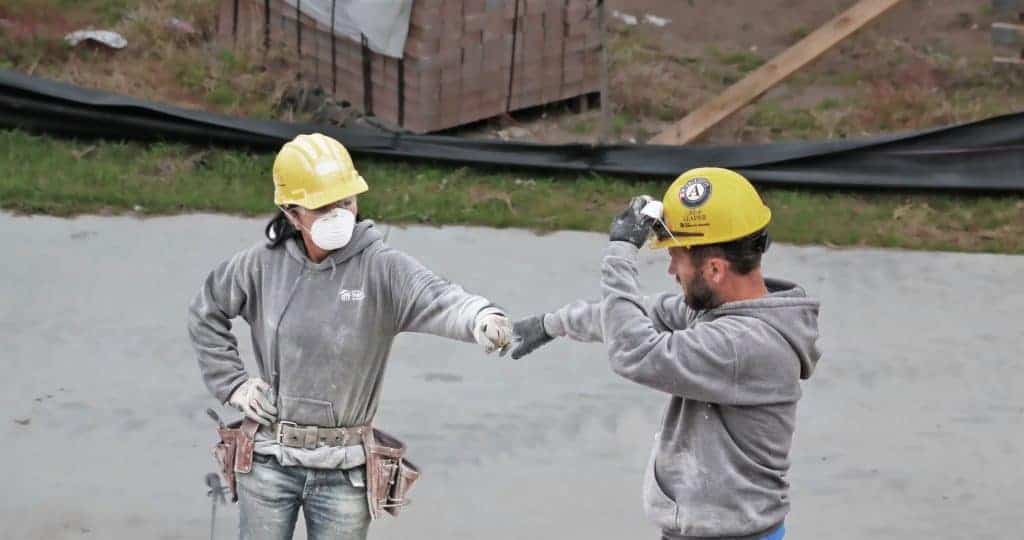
(695, 192)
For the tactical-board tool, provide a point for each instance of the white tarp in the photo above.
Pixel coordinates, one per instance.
(385, 23)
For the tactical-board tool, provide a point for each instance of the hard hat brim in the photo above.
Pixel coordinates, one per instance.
(333, 194)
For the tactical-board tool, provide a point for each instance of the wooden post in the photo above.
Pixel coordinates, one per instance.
(602, 19)
(770, 74)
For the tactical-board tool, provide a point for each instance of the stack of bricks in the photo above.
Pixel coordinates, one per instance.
(464, 60)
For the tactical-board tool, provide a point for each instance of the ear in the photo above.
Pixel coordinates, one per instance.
(717, 267)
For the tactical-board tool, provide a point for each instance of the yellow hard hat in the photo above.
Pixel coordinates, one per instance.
(313, 171)
(710, 205)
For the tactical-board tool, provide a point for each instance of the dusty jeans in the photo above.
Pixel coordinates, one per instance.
(778, 533)
(270, 496)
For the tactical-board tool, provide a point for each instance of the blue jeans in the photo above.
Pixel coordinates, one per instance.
(776, 534)
(270, 496)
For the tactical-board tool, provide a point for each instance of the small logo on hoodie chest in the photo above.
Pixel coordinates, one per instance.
(351, 295)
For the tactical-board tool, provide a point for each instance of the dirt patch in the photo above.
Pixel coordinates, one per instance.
(922, 64)
(44, 23)
(772, 25)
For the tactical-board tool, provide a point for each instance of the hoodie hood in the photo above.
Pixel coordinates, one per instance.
(788, 310)
(364, 235)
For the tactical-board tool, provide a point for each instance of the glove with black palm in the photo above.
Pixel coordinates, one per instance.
(528, 336)
(632, 225)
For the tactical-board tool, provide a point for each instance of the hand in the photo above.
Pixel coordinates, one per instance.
(529, 334)
(493, 331)
(632, 225)
(251, 399)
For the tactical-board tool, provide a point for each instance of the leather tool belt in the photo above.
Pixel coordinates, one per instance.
(293, 435)
(389, 476)
(234, 451)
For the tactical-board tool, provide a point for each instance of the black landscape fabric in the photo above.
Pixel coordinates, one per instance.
(987, 155)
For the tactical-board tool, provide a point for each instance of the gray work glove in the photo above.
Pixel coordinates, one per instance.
(632, 225)
(251, 399)
(528, 335)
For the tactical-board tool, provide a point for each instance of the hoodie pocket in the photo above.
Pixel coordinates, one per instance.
(306, 411)
(658, 506)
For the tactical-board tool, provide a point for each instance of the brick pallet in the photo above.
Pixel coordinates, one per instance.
(464, 60)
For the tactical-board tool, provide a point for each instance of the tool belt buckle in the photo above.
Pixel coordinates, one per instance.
(279, 437)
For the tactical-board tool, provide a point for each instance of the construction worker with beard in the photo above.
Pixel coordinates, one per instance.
(730, 352)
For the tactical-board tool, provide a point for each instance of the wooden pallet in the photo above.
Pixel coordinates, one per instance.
(1008, 38)
(464, 61)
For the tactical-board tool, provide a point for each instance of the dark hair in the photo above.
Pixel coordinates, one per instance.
(279, 229)
(743, 254)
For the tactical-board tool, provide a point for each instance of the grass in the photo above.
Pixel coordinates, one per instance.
(743, 61)
(777, 119)
(583, 126)
(66, 177)
(887, 84)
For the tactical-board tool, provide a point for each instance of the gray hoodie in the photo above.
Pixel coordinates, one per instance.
(719, 464)
(322, 332)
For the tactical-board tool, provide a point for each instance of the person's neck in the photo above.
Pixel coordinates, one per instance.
(313, 252)
(748, 287)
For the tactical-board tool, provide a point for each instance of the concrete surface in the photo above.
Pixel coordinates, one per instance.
(911, 428)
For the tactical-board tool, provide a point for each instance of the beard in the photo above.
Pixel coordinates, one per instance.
(698, 294)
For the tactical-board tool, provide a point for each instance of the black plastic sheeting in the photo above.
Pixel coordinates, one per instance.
(980, 156)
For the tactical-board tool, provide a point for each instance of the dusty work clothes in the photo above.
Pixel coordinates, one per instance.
(719, 464)
(322, 331)
(269, 499)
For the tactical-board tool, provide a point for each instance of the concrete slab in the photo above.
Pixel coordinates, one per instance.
(912, 427)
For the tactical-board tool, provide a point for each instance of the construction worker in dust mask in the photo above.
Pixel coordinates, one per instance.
(324, 298)
(730, 353)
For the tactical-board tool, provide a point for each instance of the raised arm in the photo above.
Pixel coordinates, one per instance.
(705, 362)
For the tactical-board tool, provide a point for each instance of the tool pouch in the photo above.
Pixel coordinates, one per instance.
(389, 476)
(234, 451)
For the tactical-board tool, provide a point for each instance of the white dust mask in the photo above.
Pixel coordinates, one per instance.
(330, 231)
(333, 230)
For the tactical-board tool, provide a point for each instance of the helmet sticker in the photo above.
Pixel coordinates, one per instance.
(695, 192)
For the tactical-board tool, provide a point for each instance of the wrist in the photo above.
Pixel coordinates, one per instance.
(488, 311)
(551, 325)
(622, 249)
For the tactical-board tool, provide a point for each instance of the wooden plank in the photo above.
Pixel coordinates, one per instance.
(770, 74)
(605, 122)
(1016, 60)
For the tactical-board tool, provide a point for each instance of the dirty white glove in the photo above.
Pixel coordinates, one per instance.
(251, 399)
(493, 331)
